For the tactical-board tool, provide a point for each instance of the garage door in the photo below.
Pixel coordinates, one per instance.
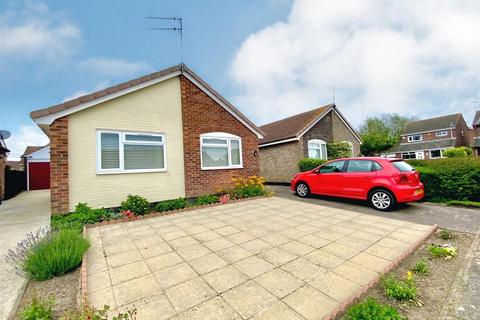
(39, 175)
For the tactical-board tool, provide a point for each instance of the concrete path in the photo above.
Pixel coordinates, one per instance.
(269, 258)
(454, 218)
(18, 216)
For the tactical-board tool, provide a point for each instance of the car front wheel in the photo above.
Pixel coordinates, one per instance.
(302, 190)
(382, 200)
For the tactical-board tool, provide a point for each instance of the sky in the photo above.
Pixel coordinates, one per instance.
(270, 58)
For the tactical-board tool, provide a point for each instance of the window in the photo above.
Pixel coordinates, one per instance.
(402, 166)
(409, 155)
(317, 149)
(436, 154)
(220, 151)
(333, 167)
(122, 152)
(415, 137)
(441, 133)
(360, 166)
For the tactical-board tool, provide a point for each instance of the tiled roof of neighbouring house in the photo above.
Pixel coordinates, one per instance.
(427, 145)
(476, 119)
(31, 149)
(432, 124)
(181, 69)
(290, 127)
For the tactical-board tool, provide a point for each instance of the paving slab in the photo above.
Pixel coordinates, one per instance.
(268, 258)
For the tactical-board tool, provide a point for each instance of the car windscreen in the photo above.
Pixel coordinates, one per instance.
(402, 166)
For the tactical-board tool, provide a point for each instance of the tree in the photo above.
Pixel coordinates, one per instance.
(376, 136)
(397, 123)
(337, 150)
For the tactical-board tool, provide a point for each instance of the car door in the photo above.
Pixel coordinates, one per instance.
(328, 178)
(358, 177)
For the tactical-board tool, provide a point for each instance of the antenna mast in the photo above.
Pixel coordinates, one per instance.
(177, 26)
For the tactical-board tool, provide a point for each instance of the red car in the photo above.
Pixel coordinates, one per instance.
(384, 182)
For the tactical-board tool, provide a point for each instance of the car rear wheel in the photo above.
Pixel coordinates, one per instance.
(382, 200)
(302, 190)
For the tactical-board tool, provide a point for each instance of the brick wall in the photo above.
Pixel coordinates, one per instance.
(321, 130)
(342, 133)
(3, 160)
(279, 163)
(201, 114)
(59, 166)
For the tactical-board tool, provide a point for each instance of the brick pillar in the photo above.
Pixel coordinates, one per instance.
(3, 160)
(59, 166)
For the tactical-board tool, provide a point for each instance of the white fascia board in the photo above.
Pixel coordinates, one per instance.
(278, 142)
(48, 119)
(220, 102)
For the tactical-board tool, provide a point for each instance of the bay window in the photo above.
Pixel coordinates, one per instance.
(220, 150)
(123, 152)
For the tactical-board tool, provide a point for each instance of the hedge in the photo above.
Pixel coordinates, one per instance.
(450, 179)
(308, 164)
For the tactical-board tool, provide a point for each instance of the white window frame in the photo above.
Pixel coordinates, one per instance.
(441, 153)
(228, 138)
(121, 142)
(409, 153)
(320, 142)
(411, 138)
(443, 133)
(351, 148)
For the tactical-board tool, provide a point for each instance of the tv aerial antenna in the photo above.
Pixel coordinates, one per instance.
(174, 24)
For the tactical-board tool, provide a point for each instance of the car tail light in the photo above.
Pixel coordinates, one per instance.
(402, 179)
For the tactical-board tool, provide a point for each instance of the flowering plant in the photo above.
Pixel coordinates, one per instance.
(224, 198)
(251, 186)
(128, 214)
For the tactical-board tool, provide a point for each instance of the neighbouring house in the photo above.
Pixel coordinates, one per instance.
(15, 165)
(476, 134)
(36, 160)
(163, 136)
(289, 140)
(428, 138)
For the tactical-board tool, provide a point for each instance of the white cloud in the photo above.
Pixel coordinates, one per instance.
(23, 137)
(36, 32)
(412, 57)
(114, 67)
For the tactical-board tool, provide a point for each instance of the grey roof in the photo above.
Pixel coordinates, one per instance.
(427, 145)
(476, 119)
(432, 124)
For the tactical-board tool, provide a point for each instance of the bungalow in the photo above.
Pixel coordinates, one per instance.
(164, 135)
(304, 135)
(428, 138)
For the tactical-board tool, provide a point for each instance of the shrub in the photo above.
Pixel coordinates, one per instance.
(137, 204)
(400, 289)
(337, 150)
(459, 152)
(38, 309)
(371, 309)
(445, 234)
(420, 267)
(174, 204)
(56, 254)
(464, 203)
(82, 215)
(87, 312)
(251, 186)
(444, 251)
(208, 199)
(308, 164)
(450, 179)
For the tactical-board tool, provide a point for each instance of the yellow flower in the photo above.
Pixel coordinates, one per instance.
(409, 276)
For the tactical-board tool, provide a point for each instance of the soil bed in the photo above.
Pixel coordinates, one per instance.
(433, 288)
(64, 290)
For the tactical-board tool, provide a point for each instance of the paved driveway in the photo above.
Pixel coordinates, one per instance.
(454, 218)
(18, 216)
(269, 258)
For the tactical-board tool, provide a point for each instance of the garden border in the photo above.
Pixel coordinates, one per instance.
(339, 311)
(83, 268)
